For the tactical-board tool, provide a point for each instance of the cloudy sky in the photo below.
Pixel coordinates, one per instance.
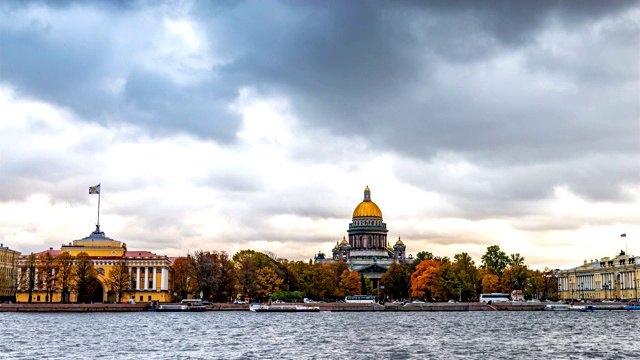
(257, 124)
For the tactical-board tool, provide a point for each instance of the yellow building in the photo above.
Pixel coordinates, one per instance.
(617, 278)
(8, 273)
(150, 273)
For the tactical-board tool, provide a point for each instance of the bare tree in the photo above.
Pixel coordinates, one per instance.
(119, 280)
(65, 274)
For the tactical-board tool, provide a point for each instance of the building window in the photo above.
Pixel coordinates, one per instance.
(141, 298)
(149, 297)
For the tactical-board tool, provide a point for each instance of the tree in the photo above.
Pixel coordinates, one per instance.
(65, 274)
(396, 281)
(445, 286)
(247, 275)
(516, 259)
(86, 278)
(118, 280)
(46, 274)
(183, 276)
(350, 283)
(495, 260)
(422, 255)
(317, 281)
(28, 280)
(267, 282)
(466, 275)
(207, 272)
(367, 285)
(490, 283)
(423, 279)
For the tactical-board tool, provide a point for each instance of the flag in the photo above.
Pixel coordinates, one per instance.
(623, 235)
(94, 189)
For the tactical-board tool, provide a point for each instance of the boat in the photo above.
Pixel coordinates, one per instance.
(283, 308)
(178, 307)
(632, 307)
(565, 307)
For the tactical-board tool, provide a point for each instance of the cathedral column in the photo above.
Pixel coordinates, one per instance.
(138, 278)
(146, 278)
(130, 278)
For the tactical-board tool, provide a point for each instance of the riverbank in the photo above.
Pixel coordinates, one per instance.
(335, 307)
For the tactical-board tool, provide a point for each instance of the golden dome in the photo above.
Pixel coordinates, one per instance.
(389, 246)
(367, 208)
(344, 241)
(399, 242)
(337, 246)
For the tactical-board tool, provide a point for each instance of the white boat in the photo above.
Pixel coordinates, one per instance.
(565, 307)
(283, 308)
(177, 307)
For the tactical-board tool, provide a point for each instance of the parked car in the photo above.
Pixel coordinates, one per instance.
(238, 302)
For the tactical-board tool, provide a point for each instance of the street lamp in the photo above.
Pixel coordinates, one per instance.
(605, 287)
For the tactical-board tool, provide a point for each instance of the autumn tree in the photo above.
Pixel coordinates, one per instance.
(350, 283)
(247, 276)
(207, 272)
(423, 279)
(28, 280)
(183, 276)
(118, 280)
(495, 260)
(490, 283)
(46, 274)
(86, 278)
(267, 282)
(65, 274)
(317, 281)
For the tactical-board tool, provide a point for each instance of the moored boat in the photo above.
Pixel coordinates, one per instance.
(178, 307)
(632, 307)
(557, 307)
(283, 308)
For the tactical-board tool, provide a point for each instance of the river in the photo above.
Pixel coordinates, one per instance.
(324, 335)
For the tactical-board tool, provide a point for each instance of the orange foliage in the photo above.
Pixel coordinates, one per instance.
(490, 283)
(424, 278)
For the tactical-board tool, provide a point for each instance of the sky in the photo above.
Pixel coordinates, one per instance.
(234, 125)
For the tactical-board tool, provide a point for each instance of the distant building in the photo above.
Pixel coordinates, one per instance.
(367, 249)
(8, 273)
(616, 278)
(150, 274)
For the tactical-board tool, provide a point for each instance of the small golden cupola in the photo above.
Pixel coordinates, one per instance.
(344, 241)
(399, 242)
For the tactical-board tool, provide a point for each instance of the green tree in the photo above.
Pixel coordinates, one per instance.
(422, 255)
(317, 281)
(495, 260)
(86, 278)
(396, 281)
(65, 274)
(367, 285)
(247, 276)
(445, 283)
(466, 276)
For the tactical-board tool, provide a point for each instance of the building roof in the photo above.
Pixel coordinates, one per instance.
(367, 208)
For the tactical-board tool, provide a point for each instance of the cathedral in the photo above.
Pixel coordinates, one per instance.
(367, 249)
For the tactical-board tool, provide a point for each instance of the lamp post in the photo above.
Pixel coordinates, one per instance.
(605, 287)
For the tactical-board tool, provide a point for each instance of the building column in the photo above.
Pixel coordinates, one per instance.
(138, 278)
(165, 279)
(19, 275)
(130, 278)
(146, 278)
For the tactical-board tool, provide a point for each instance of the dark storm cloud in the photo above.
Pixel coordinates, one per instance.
(415, 78)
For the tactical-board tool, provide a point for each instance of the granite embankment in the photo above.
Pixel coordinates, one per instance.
(338, 307)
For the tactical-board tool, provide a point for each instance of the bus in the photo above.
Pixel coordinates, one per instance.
(494, 297)
(361, 299)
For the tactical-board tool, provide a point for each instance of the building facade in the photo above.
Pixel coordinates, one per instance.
(616, 278)
(8, 273)
(367, 249)
(150, 274)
